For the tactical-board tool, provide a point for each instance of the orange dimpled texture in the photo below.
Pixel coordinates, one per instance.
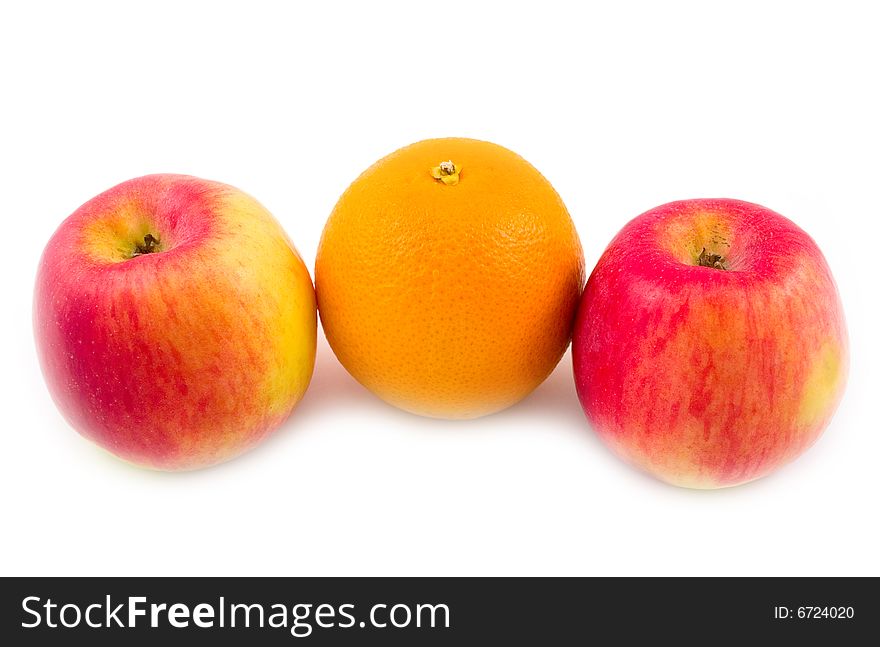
(447, 278)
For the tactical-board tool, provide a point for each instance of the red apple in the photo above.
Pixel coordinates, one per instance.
(710, 346)
(175, 323)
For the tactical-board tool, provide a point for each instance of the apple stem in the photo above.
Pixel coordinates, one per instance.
(150, 245)
(716, 261)
(447, 172)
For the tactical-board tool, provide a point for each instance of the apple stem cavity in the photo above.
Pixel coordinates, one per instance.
(446, 172)
(149, 246)
(715, 261)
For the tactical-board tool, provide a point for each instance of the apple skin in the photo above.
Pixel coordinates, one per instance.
(708, 377)
(181, 358)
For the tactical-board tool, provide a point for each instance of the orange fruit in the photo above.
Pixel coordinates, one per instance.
(447, 278)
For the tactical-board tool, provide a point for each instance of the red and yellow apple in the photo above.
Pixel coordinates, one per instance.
(710, 346)
(175, 322)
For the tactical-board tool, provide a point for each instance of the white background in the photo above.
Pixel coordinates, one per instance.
(623, 106)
